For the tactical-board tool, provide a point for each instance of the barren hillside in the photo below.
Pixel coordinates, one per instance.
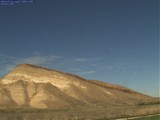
(33, 86)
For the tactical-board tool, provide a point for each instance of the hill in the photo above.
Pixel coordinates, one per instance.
(33, 87)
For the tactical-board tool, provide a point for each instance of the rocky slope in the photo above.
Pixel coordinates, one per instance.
(32, 86)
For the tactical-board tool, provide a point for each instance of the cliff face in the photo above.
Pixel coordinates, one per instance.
(32, 86)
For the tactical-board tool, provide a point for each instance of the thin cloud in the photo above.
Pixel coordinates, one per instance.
(8, 63)
(6, 56)
(87, 72)
(81, 59)
(76, 69)
(9, 67)
(87, 59)
(36, 60)
(109, 67)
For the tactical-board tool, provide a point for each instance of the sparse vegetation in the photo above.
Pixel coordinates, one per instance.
(29, 110)
(150, 103)
(149, 118)
(80, 113)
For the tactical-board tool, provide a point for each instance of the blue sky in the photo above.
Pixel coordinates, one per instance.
(111, 40)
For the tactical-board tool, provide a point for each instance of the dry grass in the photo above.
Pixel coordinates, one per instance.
(80, 113)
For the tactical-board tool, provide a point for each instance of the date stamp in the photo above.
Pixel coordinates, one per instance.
(14, 2)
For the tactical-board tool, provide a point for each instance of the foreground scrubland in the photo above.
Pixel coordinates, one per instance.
(79, 113)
